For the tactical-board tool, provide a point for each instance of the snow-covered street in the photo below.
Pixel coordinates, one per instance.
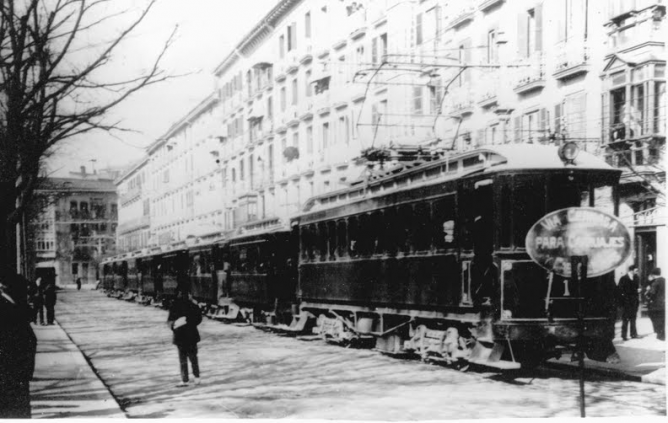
(247, 373)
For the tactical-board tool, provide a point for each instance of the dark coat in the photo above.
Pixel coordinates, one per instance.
(627, 292)
(49, 291)
(188, 334)
(17, 350)
(656, 296)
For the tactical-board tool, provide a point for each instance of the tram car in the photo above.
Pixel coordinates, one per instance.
(428, 258)
(257, 274)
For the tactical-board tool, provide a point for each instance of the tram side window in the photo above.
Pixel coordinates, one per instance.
(402, 228)
(322, 241)
(331, 230)
(307, 243)
(528, 207)
(366, 239)
(443, 223)
(342, 238)
(505, 229)
(476, 207)
(195, 265)
(353, 236)
(421, 236)
(377, 233)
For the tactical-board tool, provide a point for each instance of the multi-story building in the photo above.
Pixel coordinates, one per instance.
(77, 226)
(133, 209)
(317, 86)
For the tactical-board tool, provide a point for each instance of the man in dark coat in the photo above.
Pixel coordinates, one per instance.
(627, 290)
(50, 301)
(656, 303)
(184, 316)
(17, 348)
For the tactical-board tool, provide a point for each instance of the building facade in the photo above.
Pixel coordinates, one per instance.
(77, 225)
(318, 86)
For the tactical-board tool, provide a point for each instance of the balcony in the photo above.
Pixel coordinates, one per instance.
(130, 195)
(656, 216)
(531, 76)
(571, 62)
(485, 5)
(464, 15)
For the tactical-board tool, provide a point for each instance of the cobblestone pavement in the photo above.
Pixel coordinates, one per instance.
(247, 373)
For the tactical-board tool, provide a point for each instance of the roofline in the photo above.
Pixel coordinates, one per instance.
(203, 106)
(131, 171)
(268, 22)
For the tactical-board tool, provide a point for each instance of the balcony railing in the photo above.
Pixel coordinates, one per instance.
(571, 61)
(530, 75)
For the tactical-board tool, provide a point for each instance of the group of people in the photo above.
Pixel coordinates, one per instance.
(41, 297)
(629, 293)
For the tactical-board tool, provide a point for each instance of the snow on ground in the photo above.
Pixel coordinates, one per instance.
(248, 373)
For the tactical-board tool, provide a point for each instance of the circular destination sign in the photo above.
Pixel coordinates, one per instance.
(579, 231)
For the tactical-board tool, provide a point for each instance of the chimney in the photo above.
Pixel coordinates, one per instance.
(83, 170)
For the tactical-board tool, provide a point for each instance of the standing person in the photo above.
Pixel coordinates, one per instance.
(184, 316)
(50, 301)
(656, 303)
(37, 297)
(78, 284)
(627, 290)
(17, 348)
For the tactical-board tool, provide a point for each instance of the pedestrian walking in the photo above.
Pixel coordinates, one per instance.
(17, 347)
(50, 301)
(656, 303)
(184, 316)
(627, 293)
(78, 284)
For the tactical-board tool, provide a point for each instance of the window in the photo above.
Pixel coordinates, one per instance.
(574, 119)
(343, 130)
(283, 99)
(270, 108)
(430, 25)
(281, 46)
(492, 47)
(325, 135)
(307, 88)
(292, 37)
(530, 31)
(418, 29)
(295, 93)
(309, 140)
(435, 95)
(417, 100)
(307, 25)
(295, 139)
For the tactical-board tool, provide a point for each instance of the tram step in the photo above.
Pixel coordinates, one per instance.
(501, 364)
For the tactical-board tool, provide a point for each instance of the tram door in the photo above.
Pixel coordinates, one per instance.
(476, 217)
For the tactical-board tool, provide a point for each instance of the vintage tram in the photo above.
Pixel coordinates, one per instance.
(424, 258)
(429, 258)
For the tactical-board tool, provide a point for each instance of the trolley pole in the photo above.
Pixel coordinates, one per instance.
(579, 277)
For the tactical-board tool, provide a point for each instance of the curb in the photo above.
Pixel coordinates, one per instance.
(94, 370)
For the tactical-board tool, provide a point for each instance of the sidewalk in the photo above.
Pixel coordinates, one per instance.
(64, 385)
(642, 359)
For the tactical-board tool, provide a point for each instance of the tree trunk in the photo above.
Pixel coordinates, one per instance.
(8, 250)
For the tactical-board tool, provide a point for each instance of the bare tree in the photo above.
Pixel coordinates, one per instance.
(50, 89)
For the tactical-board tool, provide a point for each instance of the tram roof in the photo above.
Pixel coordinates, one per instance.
(489, 159)
(523, 156)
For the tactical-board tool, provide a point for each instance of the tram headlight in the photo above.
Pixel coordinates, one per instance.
(568, 152)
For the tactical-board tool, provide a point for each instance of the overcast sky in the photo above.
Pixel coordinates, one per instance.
(208, 30)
